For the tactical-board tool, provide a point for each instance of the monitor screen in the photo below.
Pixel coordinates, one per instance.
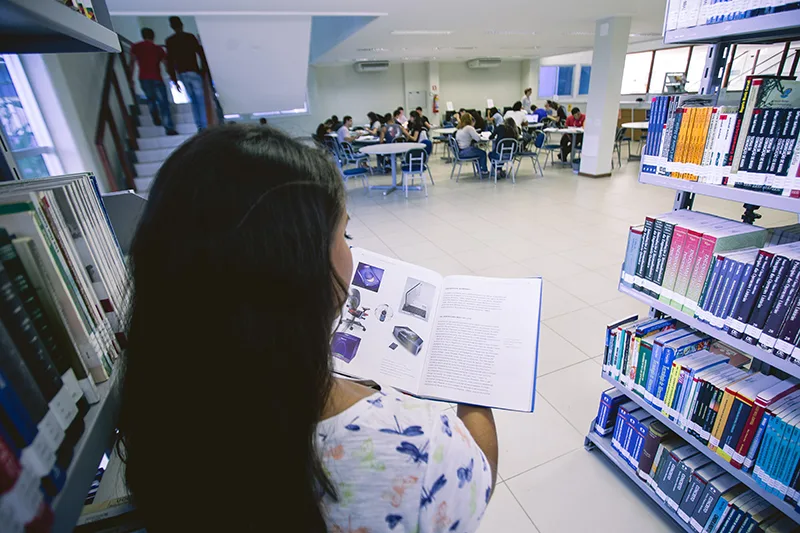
(532, 118)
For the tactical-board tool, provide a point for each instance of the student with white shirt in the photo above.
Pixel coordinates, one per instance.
(497, 118)
(465, 136)
(343, 133)
(401, 118)
(517, 114)
(526, 101)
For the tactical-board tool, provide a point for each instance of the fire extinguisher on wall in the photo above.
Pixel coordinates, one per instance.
(435, 103)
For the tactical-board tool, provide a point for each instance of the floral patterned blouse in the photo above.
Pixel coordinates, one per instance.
(401, 465)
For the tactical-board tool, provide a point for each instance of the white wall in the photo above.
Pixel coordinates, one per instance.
(469, 88)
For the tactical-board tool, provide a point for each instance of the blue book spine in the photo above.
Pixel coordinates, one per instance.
(764, 455)
(716, 514)
(667, 357)
(789, 464)
(619, 426)
(720, 269)
(739, 292)
(751, 453)
(733, 274)
(16, 412)
(655, 368)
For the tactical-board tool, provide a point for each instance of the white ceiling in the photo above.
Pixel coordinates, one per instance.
(515, 29)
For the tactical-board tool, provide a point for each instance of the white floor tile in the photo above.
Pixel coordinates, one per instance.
(445, 265)
(481, 259)
(414, 253)
(585, 328)
(528, 440)
(557, 301)
(590, 287)
(505, 515)
(623, 306)
(554, 266)
(574, 392)
(555, 352)
(581, 492)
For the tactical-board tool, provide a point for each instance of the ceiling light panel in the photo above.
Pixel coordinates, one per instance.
(511, 32)
(422, 32)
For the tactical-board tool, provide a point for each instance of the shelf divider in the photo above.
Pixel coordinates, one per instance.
(744, 477)
(753, 351)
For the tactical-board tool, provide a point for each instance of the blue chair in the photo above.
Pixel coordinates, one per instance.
(351, 156)
(550, 148)
(340, 159)
(415, 163)
(533, 154)
(506, 151)
(458, 160)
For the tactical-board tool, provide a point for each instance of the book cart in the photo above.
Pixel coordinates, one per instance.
(49, 26)
(757, 30)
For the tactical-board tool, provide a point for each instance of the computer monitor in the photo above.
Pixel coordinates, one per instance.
(532, 118)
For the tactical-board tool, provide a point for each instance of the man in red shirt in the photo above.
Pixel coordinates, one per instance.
(575, 120)
(148, 55)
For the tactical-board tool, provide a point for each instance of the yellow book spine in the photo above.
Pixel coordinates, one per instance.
(722, 418)
(669, 396)
(683, 137)
(702, 139)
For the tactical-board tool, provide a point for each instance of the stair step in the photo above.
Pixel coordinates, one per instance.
(153, 155)
(157, 131)
(162, 141)
(178, 118)
(176, 108)
(143, 184)
(147, 169)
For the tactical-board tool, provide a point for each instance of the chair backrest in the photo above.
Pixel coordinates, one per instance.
(538, 142)
(451, 140)
(332, 144)
(348, 150)
(507, 148)
(620, 134)
(416, 159)
(398, 139)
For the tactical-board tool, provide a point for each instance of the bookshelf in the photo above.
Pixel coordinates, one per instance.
(744, 477)
(100, 425)
(764, 28)
(772, 201)
(604, 445)
(738, 344)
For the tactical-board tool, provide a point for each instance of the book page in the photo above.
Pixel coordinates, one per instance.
(387, 322)
(485, 342)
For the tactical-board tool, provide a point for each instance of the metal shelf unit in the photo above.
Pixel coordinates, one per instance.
(595, 441)
(772, 201)
(48, 26)
(744, 477)
(738, 344)
(100, 424)
(762, 29)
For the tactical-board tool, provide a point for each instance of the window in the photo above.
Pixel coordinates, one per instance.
(635, 73)
(556, 80)
(697, 63)
(794, 50)
(22, 123)
(668, 61)
(769, 59)
(583, 84)
(742, 65)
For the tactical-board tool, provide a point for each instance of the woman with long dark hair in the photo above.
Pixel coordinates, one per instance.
(231, 419)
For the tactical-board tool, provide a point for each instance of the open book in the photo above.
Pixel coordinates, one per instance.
(458, 338)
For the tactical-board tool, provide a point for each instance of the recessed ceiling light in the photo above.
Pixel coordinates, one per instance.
(650, 34)
(580, 33)
(372, 49)
(511, 32)
(519, 48)
(464, 48)
(421, 32)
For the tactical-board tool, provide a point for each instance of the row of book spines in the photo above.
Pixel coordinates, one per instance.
(707, 12)
(686, 481)
(758, 302)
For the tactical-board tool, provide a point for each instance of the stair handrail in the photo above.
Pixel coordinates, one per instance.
(107, 124)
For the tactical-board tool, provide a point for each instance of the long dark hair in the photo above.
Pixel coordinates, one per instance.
(228, 366)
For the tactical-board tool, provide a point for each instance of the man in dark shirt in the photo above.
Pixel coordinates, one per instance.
(182, 52)
(148, 55)
(425, 121)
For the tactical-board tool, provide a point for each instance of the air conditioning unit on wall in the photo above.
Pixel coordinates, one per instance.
(371, 66)
(484, 62)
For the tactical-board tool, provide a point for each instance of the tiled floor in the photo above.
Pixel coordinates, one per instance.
(571, 231)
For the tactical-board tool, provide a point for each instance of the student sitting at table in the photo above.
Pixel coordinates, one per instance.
(575, 120)
(478, 120)
(390, 130)
(374, 123)
(425, 120)
(540, 112)
(401, 118)
(322, 130)
(496, 117)
(335, 124)
(507, 130)
(465, 136)
(517, 114)
(343, 133)
(417, 132)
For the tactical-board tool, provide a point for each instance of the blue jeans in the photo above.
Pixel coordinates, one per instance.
(474, 151)
(156, 93)
(193, 83)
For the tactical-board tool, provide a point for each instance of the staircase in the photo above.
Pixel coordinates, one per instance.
(155, 145)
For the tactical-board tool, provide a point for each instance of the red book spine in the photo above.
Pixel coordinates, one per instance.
(749, 431)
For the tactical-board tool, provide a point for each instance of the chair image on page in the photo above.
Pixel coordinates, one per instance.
(506, 152)
(532, 153)
(354, 315)
(416, 164)
(458, 160)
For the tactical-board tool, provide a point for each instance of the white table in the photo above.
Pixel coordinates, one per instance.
(391, 150)
(367, 139)
(634, 126)
(443, 131)
(568, 131)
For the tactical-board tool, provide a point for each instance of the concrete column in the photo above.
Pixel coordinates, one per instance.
(435, 89)
(608, 60)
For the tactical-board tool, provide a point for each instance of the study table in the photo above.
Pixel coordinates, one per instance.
(391, 150)
(568, 131)
(634, 126)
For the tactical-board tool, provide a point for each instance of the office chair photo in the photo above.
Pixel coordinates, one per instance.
(354, 315)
